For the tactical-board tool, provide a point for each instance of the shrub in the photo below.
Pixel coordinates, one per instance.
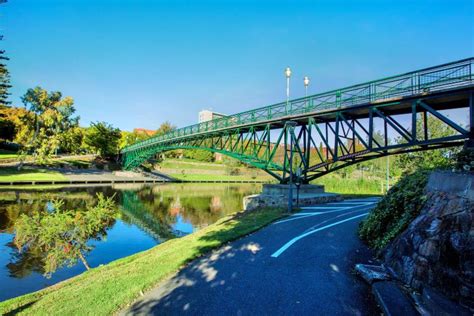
(395, 211)
(465, 160)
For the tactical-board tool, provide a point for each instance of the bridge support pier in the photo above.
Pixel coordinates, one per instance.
(276, 195)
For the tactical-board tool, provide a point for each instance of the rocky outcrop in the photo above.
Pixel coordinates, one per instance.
(437, 249)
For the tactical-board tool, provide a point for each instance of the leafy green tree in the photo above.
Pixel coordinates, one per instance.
(61, 236)
(71, 140)
(4, 79)
(104, 139)
(437, 158)
(199, 154)
(4, 75)
(130, 138)
(164, 128)
(50, 116)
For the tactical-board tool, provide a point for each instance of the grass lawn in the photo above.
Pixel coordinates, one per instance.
(187, 164)
(6, 154)
(351, 185)
(104, 290)
(26, 174)
(217, 177)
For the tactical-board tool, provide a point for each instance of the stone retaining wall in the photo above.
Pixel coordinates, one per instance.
(437, 249)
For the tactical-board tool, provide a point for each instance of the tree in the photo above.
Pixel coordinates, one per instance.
(60, 237)
(104, 139)
(7, 127)
(4, 75)
(71, 140)
(437, 158)
(130, 138)
(50, 116)
(164, 128)
(199, 154)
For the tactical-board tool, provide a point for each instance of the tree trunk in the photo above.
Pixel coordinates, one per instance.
(84, 261)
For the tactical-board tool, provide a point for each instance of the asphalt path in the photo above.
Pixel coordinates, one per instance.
(300, 265)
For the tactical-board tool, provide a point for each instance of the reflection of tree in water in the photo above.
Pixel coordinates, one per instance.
(24, 263)
(59, 236)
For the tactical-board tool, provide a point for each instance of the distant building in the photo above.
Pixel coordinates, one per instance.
(144, 131)
(206, 115)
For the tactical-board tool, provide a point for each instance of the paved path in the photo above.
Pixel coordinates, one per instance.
(299, 265)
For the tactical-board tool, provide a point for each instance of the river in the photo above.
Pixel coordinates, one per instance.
(148, 215)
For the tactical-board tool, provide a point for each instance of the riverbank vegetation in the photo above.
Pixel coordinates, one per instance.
(106, 289)
(395, 211)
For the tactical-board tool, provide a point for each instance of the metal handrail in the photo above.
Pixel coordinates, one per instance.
(445, 76)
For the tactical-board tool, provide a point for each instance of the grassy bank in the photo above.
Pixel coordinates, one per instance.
(106, 289)
(336, 184)
(216, 177)
(193, 170)
(29, 174)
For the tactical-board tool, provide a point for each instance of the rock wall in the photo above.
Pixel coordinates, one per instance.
(437, 249)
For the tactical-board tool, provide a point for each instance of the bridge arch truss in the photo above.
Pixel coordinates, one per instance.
(321, 139)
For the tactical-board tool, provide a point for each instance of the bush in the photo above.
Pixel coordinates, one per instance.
(199, 154)
(395, 211)
(465, 160)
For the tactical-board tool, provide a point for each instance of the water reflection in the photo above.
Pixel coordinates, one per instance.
(149, 214)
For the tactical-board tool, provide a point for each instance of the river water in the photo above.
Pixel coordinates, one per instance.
(148, 215)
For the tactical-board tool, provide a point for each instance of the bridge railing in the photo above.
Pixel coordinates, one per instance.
(450, 75)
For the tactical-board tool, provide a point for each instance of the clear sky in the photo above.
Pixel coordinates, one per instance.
(138, 63)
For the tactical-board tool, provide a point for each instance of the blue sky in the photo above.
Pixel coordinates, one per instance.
(137, 63)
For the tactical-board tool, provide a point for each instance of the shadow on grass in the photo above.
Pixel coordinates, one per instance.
(19, 309)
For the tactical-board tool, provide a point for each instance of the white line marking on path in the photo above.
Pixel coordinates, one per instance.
(321, 207)
(292, 218)
(301, 215)
(294, 240)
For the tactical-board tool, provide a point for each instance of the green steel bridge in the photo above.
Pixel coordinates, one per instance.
(308, 137)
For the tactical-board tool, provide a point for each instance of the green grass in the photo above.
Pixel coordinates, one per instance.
(27, 174)
(336, 184)
(107, 289)
(176, 164)
(216, 177)
(7, 154)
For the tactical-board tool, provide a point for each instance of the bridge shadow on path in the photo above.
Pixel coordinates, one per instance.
(242, 278)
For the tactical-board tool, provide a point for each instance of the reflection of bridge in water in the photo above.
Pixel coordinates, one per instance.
(144, 218)
(332, 130)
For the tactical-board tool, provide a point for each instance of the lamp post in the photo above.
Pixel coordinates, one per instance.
(288, 75)
(306, 84)
(388, 173)
(298, 183)
(290, 126)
